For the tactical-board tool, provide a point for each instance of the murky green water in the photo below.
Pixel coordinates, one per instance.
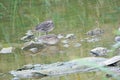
(69, 16)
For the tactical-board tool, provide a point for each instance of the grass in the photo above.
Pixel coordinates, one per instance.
(69, 16)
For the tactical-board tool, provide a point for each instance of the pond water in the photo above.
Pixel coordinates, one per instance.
(70, 17)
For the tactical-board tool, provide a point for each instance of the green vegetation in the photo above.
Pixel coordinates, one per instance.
(69, 16)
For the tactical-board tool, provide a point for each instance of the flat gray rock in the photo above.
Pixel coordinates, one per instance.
(58, 68)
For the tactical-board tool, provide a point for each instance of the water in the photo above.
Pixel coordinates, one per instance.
(69, 16)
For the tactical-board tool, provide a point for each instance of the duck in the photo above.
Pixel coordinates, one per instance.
(45, 26)
(50, 39)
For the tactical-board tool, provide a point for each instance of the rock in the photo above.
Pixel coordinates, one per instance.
(115, 60)
(70, 36)
(116, 45)
(32, 44)
(34, 50)
(60, 36)
(82, 40)
(119, 28)
(29, 32)
(77, 45)
(60, 68)
(90, 40)
(29, 35)
(27, 38)
(113, 72)
(117, 39)
(64, 41)
(99, 51)
(27, 74)
(96, 31)
(37, 65)
(82, 65)
(16, 78)
(93, 40)
(6, 50)
(66, 45)
(26, 67)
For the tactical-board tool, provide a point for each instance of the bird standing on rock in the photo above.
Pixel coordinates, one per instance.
(45, 26)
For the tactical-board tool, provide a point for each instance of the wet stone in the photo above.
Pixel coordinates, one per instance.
(116, 45)
(34, 50)
(29, 36)
(60, 36)
(26, 67)
(77, 45)
(57, 68)
(6, 50)
(115, 61)
(15, 78)
(70, 36)
(29, 32)
(32, 44)
(66, 45)
(65, 41)
(117, 39)
(118, 63)
(93, 40)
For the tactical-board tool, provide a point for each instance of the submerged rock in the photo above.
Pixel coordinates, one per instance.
(50, 50)
(6, 50)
